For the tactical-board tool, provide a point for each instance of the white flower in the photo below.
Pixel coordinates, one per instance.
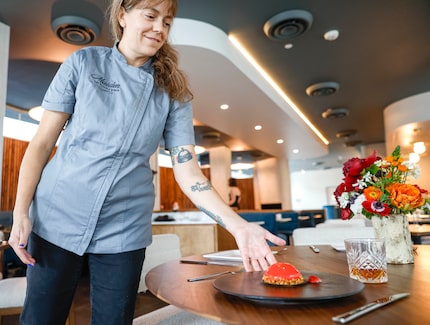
(357, 206)
(381, 163)
(344, 200)
(413, 169)
(362, 183)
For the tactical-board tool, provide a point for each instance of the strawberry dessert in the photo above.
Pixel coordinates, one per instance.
(283, 274)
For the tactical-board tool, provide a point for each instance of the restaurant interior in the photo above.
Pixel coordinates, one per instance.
(285, 92)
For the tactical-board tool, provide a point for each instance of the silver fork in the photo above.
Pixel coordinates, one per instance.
(214, 275)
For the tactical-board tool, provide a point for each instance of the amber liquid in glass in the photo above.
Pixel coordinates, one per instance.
(369, 274)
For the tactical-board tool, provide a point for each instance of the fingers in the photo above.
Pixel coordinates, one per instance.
(259, 263)
(275, 239)
(25, 256)
(18, 241)
(256, 253)
(21, 251)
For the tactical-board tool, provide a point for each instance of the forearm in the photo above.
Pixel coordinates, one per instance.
(33, 162)
(206, 198)
(201, 192)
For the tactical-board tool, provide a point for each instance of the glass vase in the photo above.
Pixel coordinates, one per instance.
(398, 242)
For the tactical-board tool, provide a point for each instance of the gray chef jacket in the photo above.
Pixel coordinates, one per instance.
(96, 194)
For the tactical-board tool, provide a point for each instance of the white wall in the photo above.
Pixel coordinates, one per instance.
(267, 187)
(313, 189)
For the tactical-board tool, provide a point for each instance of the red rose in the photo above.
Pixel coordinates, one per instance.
(345, 214)
(354, 166)
(367, 162)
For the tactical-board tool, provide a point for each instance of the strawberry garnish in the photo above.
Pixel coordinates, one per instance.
(314, 279)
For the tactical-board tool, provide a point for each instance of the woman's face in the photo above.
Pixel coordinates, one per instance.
(145, 30)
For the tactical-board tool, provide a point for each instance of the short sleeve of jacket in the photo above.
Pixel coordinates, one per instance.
(179, 128)
(60, 95)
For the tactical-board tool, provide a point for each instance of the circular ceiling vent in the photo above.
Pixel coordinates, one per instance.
(288, 25)
(353, 143)
(322, 88)
(77, 22)
(335, 113)
(213, 136)
(75, 30)
(345, 134)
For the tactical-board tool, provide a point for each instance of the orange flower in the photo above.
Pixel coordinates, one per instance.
(372, 193)
(402, 168)
(394, 161)
(405, 196)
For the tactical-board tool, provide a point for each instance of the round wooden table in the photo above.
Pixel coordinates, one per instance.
(169, 283)
(418, 231)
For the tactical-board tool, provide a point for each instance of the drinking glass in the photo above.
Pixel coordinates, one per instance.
(367, 261)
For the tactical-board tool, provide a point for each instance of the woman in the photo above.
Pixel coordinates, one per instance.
(234, 194)
(94, 199)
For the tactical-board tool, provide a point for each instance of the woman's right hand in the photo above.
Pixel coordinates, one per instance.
(18, 239)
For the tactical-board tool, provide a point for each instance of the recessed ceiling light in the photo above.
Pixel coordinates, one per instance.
(224, 106)
(296, 151)
(258, 127)
(242, 166)
(199, 149)
(288, 46)
(36, 113)
(280, 141)
(331, 35)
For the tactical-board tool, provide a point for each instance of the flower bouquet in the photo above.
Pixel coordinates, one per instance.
(377, 189)
(374, 186)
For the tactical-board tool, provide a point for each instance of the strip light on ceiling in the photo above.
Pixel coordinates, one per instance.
(275, 86)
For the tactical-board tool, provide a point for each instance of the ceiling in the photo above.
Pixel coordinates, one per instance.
(382, 55)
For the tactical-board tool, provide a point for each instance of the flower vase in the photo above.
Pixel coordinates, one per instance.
(398, 242)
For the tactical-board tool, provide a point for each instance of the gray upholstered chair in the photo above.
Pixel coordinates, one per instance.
(164, 248)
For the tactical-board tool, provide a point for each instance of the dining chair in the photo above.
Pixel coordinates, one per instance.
(286, 222)
(329, 235)
(12, 295)
(171, 315)
(267, 220)
(164, 248)
(342, 223)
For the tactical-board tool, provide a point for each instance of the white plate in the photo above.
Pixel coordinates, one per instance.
(339, 247)
(230, 255)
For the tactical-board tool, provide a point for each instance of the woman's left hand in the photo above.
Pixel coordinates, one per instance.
(252, 241)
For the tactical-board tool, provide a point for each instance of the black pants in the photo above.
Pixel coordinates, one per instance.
(52, 282)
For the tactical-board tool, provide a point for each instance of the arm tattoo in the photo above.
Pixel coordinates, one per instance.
(200, 187)
(218, 219)
(180, 155)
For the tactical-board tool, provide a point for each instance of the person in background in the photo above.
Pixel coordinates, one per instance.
(93, 200)
(234, 194)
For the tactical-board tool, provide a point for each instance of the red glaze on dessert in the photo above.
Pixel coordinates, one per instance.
(283, 270)
(283, 274)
